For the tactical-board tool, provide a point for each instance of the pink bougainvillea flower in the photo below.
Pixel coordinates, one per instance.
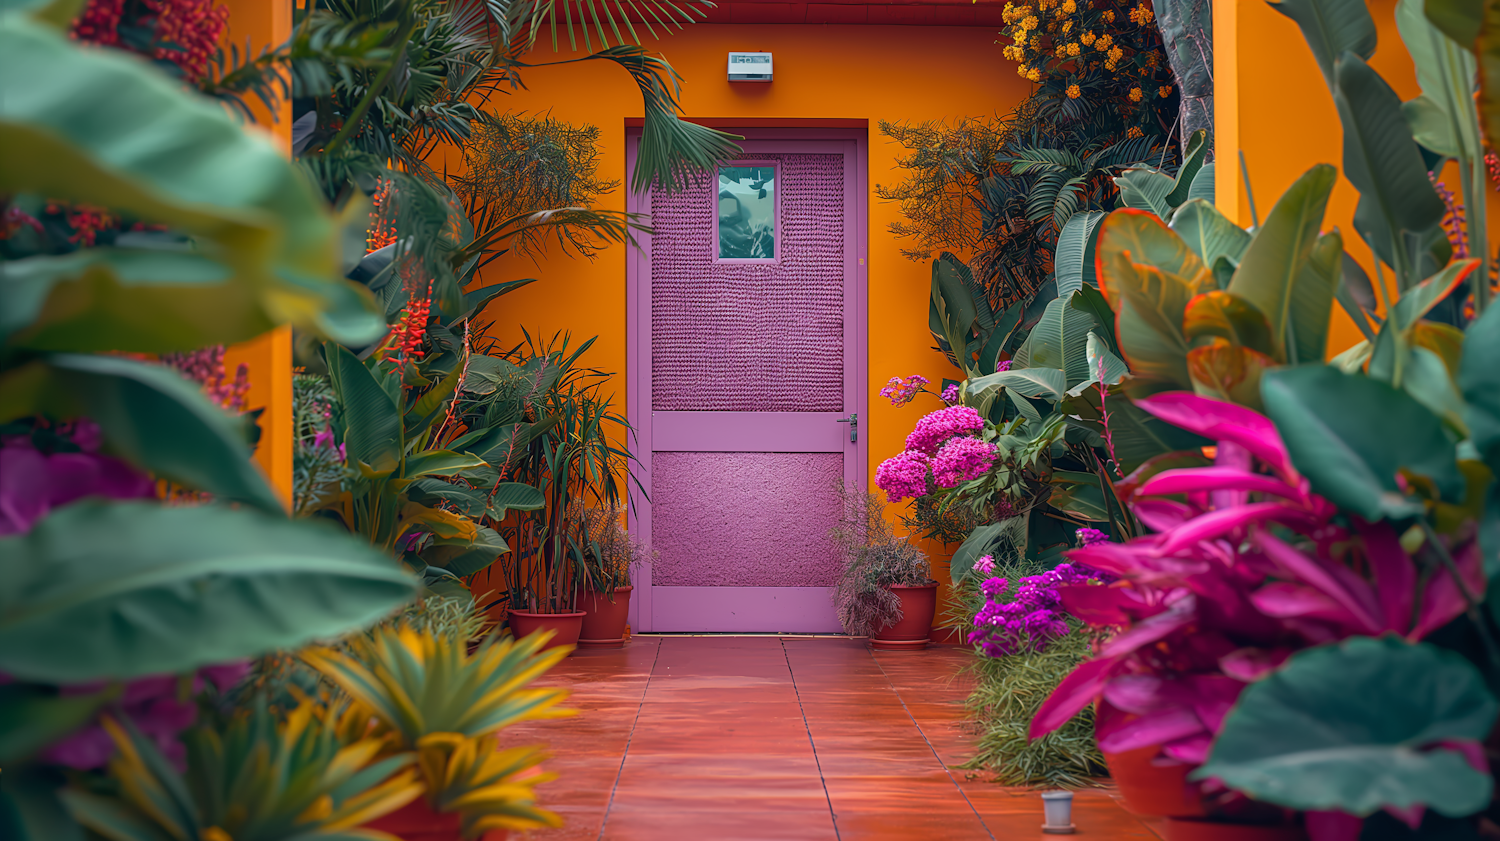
(1215, 598)
(934, 430)
(962, 459)
(32, 483)
(903, 476)
(902, 391)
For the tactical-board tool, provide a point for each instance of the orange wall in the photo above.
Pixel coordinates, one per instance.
(269, 358)
(1273, 104)
(822, 72)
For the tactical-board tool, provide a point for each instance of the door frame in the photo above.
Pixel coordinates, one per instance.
(638, 333)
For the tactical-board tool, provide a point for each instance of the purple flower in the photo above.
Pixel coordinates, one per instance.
(903, 476)
(1088, 537)
(900, 392)
(950, 394)
(32, 482)
(160, 707)
(1003, 366)
(1030, 618)
(962, 459)
(985, 565)
(936, 428)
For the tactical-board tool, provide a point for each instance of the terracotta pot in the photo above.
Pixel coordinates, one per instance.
(1154, 790)
(1194, 829)
(604, 620)
(565, 625)
(417, 822)
(918, 605)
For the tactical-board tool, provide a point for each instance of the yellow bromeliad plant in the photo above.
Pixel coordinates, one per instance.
(259, 778)
(427, 694)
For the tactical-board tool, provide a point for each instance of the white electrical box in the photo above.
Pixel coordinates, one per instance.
(749, 67)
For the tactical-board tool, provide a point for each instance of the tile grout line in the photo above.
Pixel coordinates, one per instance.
(628, 739)
(931, 747)
(832, 815)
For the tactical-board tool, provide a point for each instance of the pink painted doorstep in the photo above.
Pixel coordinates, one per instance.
(719, 738)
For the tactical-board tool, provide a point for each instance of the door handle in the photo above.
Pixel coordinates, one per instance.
(853, 421)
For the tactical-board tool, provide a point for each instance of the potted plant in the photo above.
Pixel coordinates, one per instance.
(565, 452)
(424, 693)
(885, 590)
(609, 559)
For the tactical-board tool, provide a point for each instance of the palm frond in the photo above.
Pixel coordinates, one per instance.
(673, 153)
(520, 22)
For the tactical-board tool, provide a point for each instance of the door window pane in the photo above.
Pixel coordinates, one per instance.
(747, 213)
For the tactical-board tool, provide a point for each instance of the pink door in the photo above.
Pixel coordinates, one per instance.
(747, 361)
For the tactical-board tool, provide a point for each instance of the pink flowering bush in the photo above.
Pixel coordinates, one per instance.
(902, 391)
(933, 430)
(962, 459)
(903, 476)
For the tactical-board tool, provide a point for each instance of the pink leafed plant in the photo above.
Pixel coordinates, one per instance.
(1215, 598)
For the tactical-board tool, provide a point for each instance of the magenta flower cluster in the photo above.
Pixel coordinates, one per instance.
(962, 459)
(1003, 366)
(33, 482)
(950, 394)
(157, 705)
(1027, 620)
(900, 392)
(937, 427)
(903, 476)
(1090, 537)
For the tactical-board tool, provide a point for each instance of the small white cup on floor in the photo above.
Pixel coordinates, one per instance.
(1057, 806)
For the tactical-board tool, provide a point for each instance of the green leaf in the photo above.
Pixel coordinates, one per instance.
(1046, 383)
(475, 300)
(118, 590)
(1446, 120)
(372, 421)
(1479, 380)
(101, 127)
(30, 809)
(1005, 536)
(1383, 162)
(1203, 187)
(33, 717)
(1332, 28)
(1151, 309)
(464, 559)
(1458, 19)
(1273, 266)
(1416, 302)
(502, 445)
(1074, 263)
(467, 501)
(1100, 361)
(1146, 189)
(1187, 174)
(1209, 233)
(1426, 379)
(1091, 300)
(1138, 436)
(1059, 340)
(439, 463)
(1145, 240)
(515, 496)
(153, 418)
(1355, 728)
(1229, 317)
(1338, 429)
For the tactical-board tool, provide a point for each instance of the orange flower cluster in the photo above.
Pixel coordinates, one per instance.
(1077, 46)
(408, 334)
(382, 231)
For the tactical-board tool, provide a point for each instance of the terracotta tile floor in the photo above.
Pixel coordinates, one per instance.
(759, 738)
